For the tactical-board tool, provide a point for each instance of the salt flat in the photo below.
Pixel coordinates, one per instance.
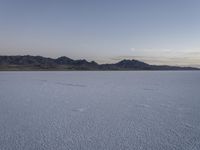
(142, 110)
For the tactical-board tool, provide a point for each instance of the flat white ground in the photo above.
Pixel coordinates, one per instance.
(140, 110)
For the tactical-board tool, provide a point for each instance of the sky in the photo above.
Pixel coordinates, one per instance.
(154, 31)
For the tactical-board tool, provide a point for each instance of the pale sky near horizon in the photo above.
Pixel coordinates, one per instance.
(154, 31)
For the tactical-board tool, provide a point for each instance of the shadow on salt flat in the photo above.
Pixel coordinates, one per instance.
(143, 106)
(148, 89)
(166, 106)
(43, 80)
(189, 126)
(65, 84)
(79, 109)
(70, 84)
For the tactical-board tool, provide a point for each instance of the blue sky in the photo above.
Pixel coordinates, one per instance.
(155, 31)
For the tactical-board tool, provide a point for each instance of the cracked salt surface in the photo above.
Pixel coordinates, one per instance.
(100, 110)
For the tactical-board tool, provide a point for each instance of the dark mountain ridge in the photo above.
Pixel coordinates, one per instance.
(28, 62)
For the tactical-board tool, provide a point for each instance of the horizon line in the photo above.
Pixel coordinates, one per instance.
(131, 58)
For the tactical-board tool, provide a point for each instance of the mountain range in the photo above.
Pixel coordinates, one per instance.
(28, 62)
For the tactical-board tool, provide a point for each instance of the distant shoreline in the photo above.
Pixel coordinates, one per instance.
(39, 63)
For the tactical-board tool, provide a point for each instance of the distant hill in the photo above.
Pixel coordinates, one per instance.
(28, 62)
